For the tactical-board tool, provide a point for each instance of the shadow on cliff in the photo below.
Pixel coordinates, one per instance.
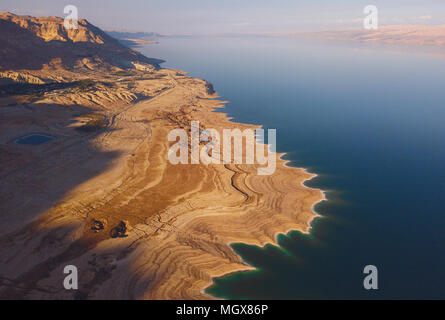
(41, 177)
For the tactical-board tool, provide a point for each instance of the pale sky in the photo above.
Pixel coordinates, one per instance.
(234, 16)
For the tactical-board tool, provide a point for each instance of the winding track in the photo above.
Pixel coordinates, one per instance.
(183, 216)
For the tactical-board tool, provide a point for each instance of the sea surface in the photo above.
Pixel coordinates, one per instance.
(370, 121)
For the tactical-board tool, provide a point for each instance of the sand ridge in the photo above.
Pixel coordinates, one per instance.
(183, 217)
(102, 195)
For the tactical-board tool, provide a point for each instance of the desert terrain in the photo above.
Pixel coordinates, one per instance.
(102, 195)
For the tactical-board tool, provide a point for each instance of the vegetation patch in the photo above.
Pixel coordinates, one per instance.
(108, 84)
(154, 77)
(85, 85)
(131, 85)
(32, 90)
(123, 73)
(94, 122)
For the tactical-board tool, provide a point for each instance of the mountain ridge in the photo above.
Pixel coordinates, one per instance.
(417, 35)
(53, 46)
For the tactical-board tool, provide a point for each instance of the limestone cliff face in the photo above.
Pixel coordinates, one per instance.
(51, 28)
(29, 43)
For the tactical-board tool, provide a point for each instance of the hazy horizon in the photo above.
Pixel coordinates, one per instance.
(197, 17)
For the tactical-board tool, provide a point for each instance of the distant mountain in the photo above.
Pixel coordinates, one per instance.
(134, 35)
(400, 34)
(29, 43)
(135, 39)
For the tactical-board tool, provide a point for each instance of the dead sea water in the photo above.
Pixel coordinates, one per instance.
(369, 122)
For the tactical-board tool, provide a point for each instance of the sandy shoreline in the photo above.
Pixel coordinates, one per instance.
(183, 218)
(278, 233)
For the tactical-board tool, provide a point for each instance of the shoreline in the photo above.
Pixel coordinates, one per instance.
(278, 233)
(285, 163)
(183, 217)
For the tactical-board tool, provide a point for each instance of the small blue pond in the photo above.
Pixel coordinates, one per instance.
(34, 139)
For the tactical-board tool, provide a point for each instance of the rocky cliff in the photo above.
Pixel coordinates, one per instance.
(30, 43)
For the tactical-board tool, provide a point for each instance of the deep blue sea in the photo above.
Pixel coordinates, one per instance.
(370, 121)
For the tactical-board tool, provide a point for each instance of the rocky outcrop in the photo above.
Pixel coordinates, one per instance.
(22, 77)
(121, 230)
(29, 43)
(98, 225)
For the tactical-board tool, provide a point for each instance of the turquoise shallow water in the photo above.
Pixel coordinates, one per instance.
(369, 121)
